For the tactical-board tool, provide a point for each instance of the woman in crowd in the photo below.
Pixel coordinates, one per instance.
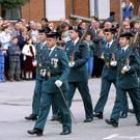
(21, 42)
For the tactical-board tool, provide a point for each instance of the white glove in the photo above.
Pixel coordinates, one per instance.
(126, 68)
(113, 63)
(34, 63)
(71, 64)
(58, 83)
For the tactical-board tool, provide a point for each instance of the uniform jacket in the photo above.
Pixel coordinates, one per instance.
(41, 52)
(57, 65)
(129, 79)
(109, 72)
(78, 73)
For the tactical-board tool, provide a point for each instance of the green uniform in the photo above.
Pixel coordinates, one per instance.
(109, 74)
(127, 82)
(78, 76)
(56, 68)
(41, 50)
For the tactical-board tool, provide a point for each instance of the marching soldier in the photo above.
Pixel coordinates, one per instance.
(109, 72)
(41, 49)
(127, 66)
(54, 86)
(78, 77)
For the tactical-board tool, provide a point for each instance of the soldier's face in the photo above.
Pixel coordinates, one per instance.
(73, 35)
(109, 36)
(42, 37)
(123, 42)
(51, 42)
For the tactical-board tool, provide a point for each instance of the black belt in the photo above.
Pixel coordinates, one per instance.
(55, 75)
(51, 75)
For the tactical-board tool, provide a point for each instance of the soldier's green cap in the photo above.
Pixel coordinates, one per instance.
(126, 35)
(53, 35)
(44, 30)
(111, 30)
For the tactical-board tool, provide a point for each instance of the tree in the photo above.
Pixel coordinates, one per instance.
(8, 4)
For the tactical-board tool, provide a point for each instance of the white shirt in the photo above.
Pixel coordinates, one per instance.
(5, 39)
(26, 51)
(52, 49)
(125, 48)
(43, 44)
(110, 43)
(75, 41)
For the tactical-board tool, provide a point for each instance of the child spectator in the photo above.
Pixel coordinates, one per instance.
(29, 53)
(14, 59)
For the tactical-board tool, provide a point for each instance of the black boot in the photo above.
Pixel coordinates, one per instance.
(35, 131)
(65, 132)
(132, 111)
(31, 117)
(123, 115)
(98, 115)
(112, 122)
(87, 120)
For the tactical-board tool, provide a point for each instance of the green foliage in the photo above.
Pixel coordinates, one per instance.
(12, 3)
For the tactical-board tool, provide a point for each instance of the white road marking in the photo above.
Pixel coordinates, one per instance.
(111, 137)
(129, 137)
(117, 136)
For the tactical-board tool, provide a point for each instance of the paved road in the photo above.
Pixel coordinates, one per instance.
(15, 103)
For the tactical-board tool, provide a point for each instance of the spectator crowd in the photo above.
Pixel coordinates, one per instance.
(18, 40)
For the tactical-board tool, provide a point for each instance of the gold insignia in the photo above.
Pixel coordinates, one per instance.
(40, 64)
(48, 74)
(107, 64)
(102, 56)
(122, 72)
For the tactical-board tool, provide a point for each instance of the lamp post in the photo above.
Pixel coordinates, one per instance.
(29, 18)
(96, 6)
(120, 11)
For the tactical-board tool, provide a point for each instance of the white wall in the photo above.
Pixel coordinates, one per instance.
(55, 9)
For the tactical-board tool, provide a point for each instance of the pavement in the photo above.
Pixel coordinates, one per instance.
(15, 104)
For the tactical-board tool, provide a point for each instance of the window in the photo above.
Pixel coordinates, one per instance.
(100, 8)
(104, 9)
(92, 8)
(55, 9)
(12, 14)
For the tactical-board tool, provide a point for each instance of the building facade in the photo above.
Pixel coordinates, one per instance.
(56, 9)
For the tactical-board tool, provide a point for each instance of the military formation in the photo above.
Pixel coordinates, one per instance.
(61, 68)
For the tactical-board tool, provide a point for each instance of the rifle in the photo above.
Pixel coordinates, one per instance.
(71, 57)
(134, 48)
(116, 43)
